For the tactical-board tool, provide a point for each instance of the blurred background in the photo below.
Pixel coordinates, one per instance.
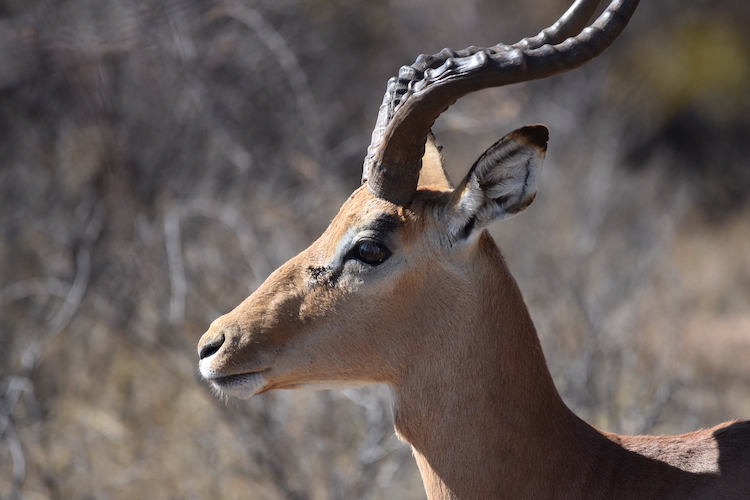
(158, 158)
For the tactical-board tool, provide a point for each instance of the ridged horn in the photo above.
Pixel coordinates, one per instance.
(422, 91)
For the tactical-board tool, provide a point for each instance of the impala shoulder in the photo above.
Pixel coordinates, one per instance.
(697, 451)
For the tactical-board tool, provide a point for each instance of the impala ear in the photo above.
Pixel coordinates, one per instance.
(502, 182)
(433, 171)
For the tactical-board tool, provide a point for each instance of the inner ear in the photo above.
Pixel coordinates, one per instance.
(502, 182)
(433, 172)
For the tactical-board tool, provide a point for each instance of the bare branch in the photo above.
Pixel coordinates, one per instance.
(291, 67)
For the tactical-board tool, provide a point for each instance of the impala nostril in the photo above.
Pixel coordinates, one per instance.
(210, 348)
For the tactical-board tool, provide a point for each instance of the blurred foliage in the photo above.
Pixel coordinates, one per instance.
(159, 158)
(695, 76)
(705, 59)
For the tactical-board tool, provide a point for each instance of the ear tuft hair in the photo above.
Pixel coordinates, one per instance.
(502, 182)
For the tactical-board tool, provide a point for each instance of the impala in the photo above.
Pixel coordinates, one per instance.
(406, 288)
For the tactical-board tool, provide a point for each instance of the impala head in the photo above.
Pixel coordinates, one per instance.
(394, 273)
(348, 310)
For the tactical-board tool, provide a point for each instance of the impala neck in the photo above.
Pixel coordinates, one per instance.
(483, 416)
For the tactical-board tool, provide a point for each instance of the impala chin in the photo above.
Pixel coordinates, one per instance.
(241, 385)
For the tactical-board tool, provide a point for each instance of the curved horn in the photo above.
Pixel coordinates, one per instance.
(422, 91)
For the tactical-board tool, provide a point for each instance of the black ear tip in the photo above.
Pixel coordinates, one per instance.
(536, 134)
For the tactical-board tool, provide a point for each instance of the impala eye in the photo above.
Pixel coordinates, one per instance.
(370, 252)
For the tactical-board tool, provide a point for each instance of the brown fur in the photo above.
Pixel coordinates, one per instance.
(448, 330)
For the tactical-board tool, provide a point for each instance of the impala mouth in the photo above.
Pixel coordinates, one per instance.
(241, 386)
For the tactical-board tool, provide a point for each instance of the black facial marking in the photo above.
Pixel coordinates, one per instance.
(468, 228)
(324, 275)
(387, 224)
(316, 272)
